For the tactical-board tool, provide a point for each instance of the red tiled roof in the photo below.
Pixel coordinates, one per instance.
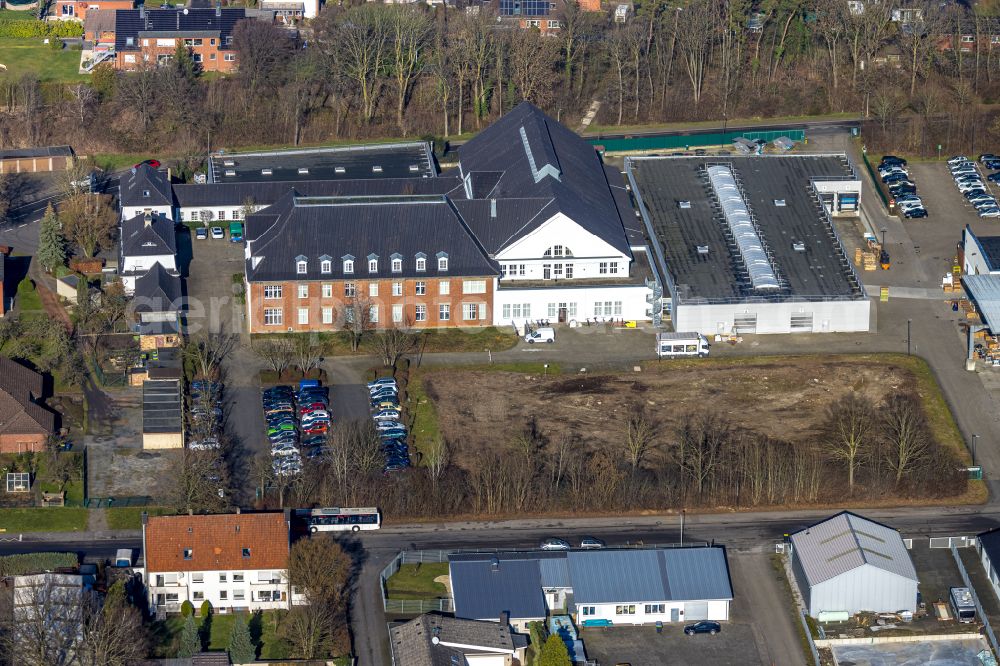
(216, 542)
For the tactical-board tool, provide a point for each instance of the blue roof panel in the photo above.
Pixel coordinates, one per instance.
(483, 591)
(617, 575)
(698, 573)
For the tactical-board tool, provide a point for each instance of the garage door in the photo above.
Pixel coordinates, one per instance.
(696, 611)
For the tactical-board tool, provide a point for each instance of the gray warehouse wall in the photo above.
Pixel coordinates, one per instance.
(864, 589)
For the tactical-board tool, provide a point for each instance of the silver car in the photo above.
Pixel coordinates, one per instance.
(555, 544)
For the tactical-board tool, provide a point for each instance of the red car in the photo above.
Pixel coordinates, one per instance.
(153, 163)
(311, 408)
(318, 429)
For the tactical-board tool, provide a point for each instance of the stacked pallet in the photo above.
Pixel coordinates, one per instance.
(858, 253)
(870, 261)
(970, 311)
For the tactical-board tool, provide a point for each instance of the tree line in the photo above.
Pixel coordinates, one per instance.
(362, 70)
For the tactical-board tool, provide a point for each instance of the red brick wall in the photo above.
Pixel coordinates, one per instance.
(21, 443)
(290, 303)
(80, 8)
(206, 50)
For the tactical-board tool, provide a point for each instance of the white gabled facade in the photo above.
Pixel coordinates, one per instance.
(646, 612)
(213, 214)
(225, 589)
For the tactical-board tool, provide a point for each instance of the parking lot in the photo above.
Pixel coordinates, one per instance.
(761, 630)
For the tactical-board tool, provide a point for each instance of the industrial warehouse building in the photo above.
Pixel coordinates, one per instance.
(600, 587)
(747, 244)
(849, 563)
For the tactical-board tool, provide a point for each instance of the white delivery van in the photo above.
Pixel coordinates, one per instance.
(544, 334)
(669, 345)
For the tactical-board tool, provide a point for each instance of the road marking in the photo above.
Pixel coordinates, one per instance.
(531, 349)
(21, 226)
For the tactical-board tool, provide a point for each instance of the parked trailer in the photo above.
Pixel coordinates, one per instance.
(962, 605)
(669, 345)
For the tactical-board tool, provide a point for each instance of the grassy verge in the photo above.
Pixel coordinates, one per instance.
(779, 573)
(416, 581)
(421, 409)
(56, 519)
(17, 15)
(718, 122)
(30, 56)
(130, 517)
(166, 634)
(434, 341)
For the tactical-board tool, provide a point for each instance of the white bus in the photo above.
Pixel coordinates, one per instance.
(669, 345)
(343, 519)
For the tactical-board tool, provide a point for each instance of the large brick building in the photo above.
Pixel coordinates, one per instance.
(25, 424)
(313, 262)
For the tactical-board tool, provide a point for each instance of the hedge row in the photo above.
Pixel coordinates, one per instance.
(29, 563)
(9, 28)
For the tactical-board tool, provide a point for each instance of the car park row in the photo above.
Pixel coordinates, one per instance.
(892, 170)
(296, 421)
(969, 181)
(383, 395)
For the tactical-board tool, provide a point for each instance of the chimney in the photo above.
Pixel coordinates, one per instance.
(218, 9)
(504, 619)
(190, 512)
(142, 13)
(495, 565)
(147, 218)
(493, 208)
(237, 511)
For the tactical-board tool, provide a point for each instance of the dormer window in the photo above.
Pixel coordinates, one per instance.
(348, 264)
(301, 265)
(188, 553)
(373, 263)
(326, 264)
(421, 261)
(145, 193)
(397, 263)
(442, 258)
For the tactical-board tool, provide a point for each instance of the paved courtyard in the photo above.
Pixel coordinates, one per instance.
(929, 653)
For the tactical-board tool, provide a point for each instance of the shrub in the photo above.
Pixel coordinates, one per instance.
(206, 608)
(25, 29)
(187, 608)
(26, 563)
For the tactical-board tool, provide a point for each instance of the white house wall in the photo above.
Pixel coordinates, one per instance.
(865, 588)
(211, 589)
(488, 659)
(974, 262)
(718, 610)
(220, 214)
(128, 212)
(828, 317)
(632, 298)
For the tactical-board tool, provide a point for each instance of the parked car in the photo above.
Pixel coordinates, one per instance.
(153, 163)
(554, 544)
(218, 233)
(990, 212)
(915, 213)
(201, 234)
(957, 159)
(703, 627)
(986, 157)
(892, 159)
(591, 543)
(544, 334)
(387, 415)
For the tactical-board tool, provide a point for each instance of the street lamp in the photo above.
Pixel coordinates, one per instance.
(974, 438)
(883, 239)
(909, 322)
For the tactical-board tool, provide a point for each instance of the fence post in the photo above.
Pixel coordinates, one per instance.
(975, 598)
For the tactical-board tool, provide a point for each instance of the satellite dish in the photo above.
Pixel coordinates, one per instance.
(185, 11)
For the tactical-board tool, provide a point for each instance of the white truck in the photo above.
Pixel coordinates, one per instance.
(962, 605)
(670, 345)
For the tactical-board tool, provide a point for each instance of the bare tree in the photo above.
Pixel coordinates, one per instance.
(358, 39)
(850, 431)
(112, 634)
(410, 33)
(263, 50)
(702, 437)
(435, 457)
(320, 569)
(308, 353)
(907, 438)
(278, 353)
(308, 629)
(200, 481)
(394, 343)
(639, 436)
(358, 319)
(531, 57)
(694, 39)
(208, 350)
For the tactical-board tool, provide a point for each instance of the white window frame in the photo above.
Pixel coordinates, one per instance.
(373, 265)
(327, 290)
(326, 266)
(327, 314)
(303, 291)
(420, 313)
(473, 286)
(373, 314)
(303, 317)
(301, 267)
(442, 264)
(350, 289)
(470, 311)
(275, 315)
(444, 312)
(421, 264)
(348, 266)
(397, 313)
(444, 287)
(272, 292)
(397, 265)
(373, 289)
(397, 288)
(420, 288)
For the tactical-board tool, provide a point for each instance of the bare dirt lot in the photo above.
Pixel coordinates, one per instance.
(784, 398)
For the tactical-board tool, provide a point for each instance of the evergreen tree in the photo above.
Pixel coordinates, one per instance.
(51, 243)
(184, 64)
(241, 648)
(190, 643)
(553, 653)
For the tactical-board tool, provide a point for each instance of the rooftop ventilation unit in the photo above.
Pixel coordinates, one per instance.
(303, 171)
(703, 250)
(376, 169)
(798, 246)
(744, 231)
(229, 162)
(683, 204)
(265, 172)
(414, 168)
(340, 170)
(230, 172)
(779, 202)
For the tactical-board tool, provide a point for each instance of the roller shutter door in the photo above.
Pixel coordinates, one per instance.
(695, 611)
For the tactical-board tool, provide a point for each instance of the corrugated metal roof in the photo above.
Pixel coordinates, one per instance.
(618, 575)
(848, 541)
(698, 573)
(984, 290)
(483, 591)
(554, 572)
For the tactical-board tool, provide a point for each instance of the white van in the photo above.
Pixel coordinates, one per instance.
(545, 334)
(669, 345)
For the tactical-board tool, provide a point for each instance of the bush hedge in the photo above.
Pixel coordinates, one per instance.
(23, 29)
(27, 563)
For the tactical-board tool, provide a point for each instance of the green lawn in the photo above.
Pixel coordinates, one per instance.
(30, 56)
(56, 519)
(130, 517)
(166, 634)
(416, 581)
(12, 15)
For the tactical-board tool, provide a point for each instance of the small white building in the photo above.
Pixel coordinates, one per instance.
(980, 254)
(849, 563)
(145, 189)
(236, 562)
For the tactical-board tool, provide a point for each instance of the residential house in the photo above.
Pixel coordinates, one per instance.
(433, 639)
(146, 190)
(99, 29)
(849, 563)
(236, 562)
(410, 260)
(146, 241)
(599, 587)
(46, 608)
(291, 11)
(152, 36)
(25, 422)
(157, 304)
(78, 10)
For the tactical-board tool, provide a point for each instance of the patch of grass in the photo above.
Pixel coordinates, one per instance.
(15, 15)
(779, 570)
(166, 634)
(422, 412)
(118, 161)
(30, 56)
(416, 581)
(130, 517)
(28, 300)
(54, 519)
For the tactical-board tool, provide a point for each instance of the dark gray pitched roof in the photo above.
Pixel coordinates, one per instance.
(498, 222)
(540, 158)
(412, 643)
(360, 227)
(158, 290)
(174, 22)
(145, 186)
(161, 406)
(486, 588)
(235, 194)
(991, 544)
(140, 239)
(49, 151)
